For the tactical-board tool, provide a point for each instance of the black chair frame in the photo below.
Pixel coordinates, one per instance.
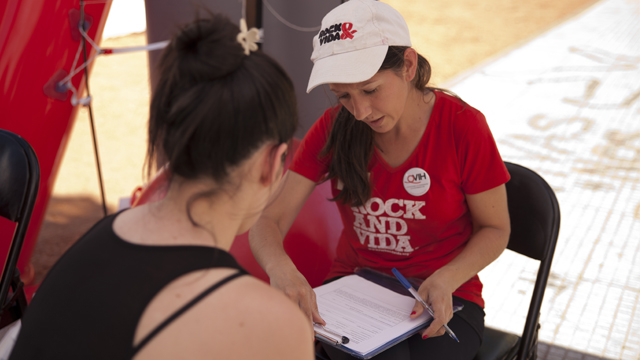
(535, 225)
(19, 182)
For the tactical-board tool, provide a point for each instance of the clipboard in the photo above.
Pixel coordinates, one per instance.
(334, 338)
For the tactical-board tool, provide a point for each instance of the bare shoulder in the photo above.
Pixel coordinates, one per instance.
(278, 326)
(245, 318)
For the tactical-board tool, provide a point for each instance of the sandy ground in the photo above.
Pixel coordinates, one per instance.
(455, 36)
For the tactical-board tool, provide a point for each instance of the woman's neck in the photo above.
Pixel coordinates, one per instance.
(397, 144)
(218, 218)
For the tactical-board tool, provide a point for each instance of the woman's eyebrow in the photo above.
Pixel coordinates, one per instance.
(375, 82)
(359, 87)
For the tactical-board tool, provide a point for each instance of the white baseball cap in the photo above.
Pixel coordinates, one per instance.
(353, 42)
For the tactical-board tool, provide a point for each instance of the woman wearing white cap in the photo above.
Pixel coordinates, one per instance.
(415, 173)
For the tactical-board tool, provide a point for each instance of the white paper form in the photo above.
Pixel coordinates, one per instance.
(368, 314)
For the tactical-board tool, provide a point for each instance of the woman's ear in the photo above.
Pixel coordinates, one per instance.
(410, 64)
(274, 164)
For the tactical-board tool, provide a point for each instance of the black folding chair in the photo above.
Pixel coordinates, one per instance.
(19, 181)
(535, 224)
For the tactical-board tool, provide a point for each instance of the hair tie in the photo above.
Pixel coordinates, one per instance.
(248, 38)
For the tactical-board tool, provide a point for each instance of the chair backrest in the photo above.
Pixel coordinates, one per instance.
(535, 224)
(19, 182)
(534, 212)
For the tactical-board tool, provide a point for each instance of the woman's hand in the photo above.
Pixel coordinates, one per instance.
(266, 240)
(437, 295)
(294, 285)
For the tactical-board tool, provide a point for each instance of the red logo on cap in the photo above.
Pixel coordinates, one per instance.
(335, 32)
(346, 31)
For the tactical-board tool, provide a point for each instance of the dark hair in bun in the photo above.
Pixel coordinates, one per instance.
(214, 105)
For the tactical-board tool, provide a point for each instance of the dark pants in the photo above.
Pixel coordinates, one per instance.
(467, 324)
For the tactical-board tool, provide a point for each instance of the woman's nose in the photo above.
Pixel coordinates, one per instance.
(361, 108)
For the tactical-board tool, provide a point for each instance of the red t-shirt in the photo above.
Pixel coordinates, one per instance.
(417, 219)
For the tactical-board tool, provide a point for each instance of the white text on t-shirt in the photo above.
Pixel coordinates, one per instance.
(386, 233)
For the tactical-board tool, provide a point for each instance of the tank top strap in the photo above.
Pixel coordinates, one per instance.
(184, 309)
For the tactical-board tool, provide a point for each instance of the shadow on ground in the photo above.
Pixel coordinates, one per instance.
(554, 352)
(67, 218)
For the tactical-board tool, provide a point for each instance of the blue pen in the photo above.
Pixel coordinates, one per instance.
(415, 294)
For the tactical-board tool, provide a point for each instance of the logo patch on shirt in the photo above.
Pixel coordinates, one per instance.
(416, 181)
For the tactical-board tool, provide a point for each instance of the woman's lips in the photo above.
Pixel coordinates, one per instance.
(376, 122)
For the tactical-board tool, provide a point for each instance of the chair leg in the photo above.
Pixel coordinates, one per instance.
(16, 304)
(533, 352)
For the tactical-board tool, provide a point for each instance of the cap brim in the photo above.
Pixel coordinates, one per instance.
(346, 68)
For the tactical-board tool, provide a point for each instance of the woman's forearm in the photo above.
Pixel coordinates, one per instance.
(483, 248)
(492, 227)
(266, 242)
(267, 234)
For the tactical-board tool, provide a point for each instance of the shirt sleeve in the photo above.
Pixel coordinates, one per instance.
(481, 166)
(307, 160)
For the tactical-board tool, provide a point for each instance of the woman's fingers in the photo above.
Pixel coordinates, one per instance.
(436, 328)
(309, 306)
(417, 310)
(441, 303)
(296, 288)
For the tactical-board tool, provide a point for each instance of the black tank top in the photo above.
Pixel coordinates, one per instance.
(90, 303)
